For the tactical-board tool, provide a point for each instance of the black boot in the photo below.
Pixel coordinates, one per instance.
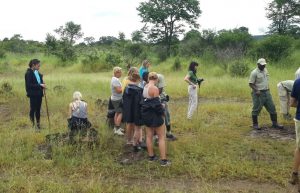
(255, 122)
(275, 124)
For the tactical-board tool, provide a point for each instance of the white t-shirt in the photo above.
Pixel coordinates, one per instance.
(115, 82)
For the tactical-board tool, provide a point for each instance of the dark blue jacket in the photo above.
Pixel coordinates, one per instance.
(132, 98)
(31, 84)
(152, 112)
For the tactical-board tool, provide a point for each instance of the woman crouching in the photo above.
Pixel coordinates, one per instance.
(152, 116)
(78, 121)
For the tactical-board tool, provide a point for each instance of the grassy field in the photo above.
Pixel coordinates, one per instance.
(215, 151)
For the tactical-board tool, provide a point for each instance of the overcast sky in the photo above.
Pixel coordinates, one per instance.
(34, 18)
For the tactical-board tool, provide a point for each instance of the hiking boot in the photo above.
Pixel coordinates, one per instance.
(276, 126)
(152, 158)
(165, 162)
(118, 132)
(274, 122)
(170, 137)
(255, 122)
(294, 179)
(256, 127)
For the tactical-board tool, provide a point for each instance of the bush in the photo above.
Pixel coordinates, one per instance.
(112, 59)
(2, 53)
(274, 48)
(177, 65)
(92, 62)
(239, 69)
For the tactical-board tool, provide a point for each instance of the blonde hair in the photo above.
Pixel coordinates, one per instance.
(133, 74)
(116, 69)
(152, 76)
(77, 95)
(145, 62)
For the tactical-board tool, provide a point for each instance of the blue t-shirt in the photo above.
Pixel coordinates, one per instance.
(37, 76)
(296, 94)
(142, 70)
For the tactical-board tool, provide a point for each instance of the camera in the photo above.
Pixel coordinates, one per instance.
(165, 98)
(199, 81)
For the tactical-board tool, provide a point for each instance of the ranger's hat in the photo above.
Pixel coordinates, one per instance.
(261, 61)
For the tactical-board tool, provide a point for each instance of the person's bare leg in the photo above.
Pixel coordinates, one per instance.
(129, 132)
(118, 119)
(136, 135)
(161, 132)
(149, 141)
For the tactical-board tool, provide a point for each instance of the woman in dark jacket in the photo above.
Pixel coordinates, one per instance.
(132, 97)
(152, 116)
(34, 85)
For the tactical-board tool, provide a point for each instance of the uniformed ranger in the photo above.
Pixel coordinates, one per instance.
(261, 96)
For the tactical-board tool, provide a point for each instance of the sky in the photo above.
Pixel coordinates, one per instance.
(33, 19)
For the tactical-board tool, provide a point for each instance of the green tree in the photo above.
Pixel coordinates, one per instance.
(285, 16)
(137, 36)
(70, 32)
(107, 40)
(167, 18)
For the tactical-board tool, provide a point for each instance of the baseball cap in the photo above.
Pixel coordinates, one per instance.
(261, 61)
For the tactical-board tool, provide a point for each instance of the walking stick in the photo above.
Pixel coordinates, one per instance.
(199, 81)
(47, 108)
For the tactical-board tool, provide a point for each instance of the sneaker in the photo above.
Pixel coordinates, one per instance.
(165, 162)
(118, 132)
(294, 179)
(143, 145)
(136, 148)
(171, 137)
(121, 129)
(152, 158)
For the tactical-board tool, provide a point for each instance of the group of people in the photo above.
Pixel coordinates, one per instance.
(141, 103)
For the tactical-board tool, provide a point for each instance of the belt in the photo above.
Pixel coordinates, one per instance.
(264, 90)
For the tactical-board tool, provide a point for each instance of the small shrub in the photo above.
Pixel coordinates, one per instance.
(2, 53)
(112, 59)
(239, 68)
(92, 62)
(177, 65)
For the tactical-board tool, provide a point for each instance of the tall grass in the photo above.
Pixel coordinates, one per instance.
(214, 146)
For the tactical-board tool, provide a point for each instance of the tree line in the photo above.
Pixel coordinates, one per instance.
(165, 21)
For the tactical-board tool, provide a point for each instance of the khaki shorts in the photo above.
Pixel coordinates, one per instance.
(117, 105)
(297, 129)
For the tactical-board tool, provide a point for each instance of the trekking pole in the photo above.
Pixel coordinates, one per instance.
(47, 110)
(199, 81)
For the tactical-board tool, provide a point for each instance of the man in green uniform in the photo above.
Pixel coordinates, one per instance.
(261, 96)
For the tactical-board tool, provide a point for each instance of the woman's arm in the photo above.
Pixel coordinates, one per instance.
(293, 102)
(187, 79)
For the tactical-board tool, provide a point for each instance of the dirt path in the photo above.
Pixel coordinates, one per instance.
(194, 186)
